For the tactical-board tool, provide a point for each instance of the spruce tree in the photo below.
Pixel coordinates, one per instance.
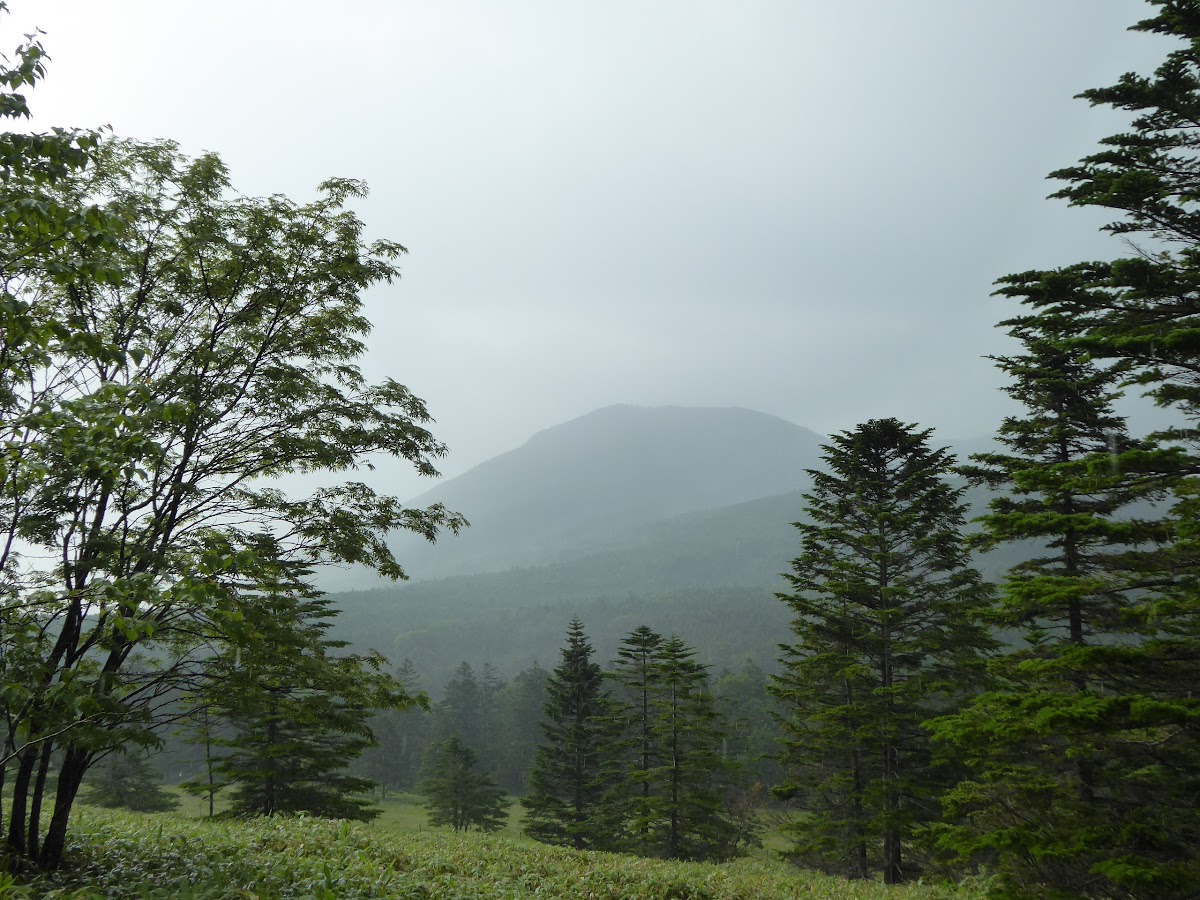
(461, 711)
(1131, 825)
(125, 780)
(695, 778)
(519, 714)
(566, 786)
(1044, 778)
(457, 793)
(629, 814)
(886, 630)
(667, 781)
(297, 712)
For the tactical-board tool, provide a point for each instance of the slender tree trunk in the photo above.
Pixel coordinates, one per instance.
(579, 817)
(857, 833)
(19, 811)
(269, 798)
(75, 765)
(892, 872)
(673, 843)
(1083, 770)
(3, 773)
(35, 805)
(891, 835)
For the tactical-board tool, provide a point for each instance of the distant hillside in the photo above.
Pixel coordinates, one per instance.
(710, 576)
(676, 518)
(592, 482)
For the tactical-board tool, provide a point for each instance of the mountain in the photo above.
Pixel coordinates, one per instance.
(671, 517)
(594, 482)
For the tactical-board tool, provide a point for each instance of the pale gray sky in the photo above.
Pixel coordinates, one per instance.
(791, 206)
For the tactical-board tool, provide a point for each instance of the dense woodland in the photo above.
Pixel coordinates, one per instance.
(169, 348)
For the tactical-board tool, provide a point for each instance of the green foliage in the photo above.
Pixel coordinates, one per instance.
(666, 781)
(207, 345)
(132, 856)
(885, 603)
(1051, 762)
(298, 711)
(753, 727)
(401, 736)
(566, 783)
(457, 793)
(1086, 766)
(518, 713)
(126, 781)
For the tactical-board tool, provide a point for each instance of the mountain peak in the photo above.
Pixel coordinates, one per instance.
(580, 485)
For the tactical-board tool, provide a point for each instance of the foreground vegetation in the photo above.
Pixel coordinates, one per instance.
(118, 854)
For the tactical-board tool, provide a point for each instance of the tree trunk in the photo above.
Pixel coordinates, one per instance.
(75, 765)
(3, 773)
(35, 806)
(19, 810)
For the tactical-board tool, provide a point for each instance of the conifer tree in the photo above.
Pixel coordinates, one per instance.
(1042, 770)
(695, 778)
(298, 712)
(631, 765)
(460, 711)
(667, 781)
(519, 715)
(125, 780)
(886, 634)
(402, 735)
(566, 786)
(457, 793)
(1127, 823)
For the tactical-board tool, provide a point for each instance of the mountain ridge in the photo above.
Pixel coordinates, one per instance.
(577, 487)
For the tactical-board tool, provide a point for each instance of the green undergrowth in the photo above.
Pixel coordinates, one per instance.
(128, 855)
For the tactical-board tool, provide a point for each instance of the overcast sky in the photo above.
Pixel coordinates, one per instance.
(791, 206)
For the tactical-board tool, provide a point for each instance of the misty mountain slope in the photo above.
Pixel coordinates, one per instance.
(512, 638)
(593, 482)
(697, 572)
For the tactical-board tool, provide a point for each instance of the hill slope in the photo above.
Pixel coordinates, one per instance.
(590, 483)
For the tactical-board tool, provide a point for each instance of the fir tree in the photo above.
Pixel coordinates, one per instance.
(125, 780)
(1042, 770)
(566, 786)
(667, 781)
(1128, 823)
(629, 813)
(695, 778)
(457, 793)
(298, 713)
(885, 602)
(519, 715)
(402, 736)
(461, 711)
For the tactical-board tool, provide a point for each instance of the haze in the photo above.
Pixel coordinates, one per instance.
(794, 207)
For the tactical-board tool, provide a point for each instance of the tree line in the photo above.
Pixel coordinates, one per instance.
(649, 756)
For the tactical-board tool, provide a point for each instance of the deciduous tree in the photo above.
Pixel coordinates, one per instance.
(207, 347)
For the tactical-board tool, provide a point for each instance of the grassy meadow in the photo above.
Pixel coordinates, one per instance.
(128, 855)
